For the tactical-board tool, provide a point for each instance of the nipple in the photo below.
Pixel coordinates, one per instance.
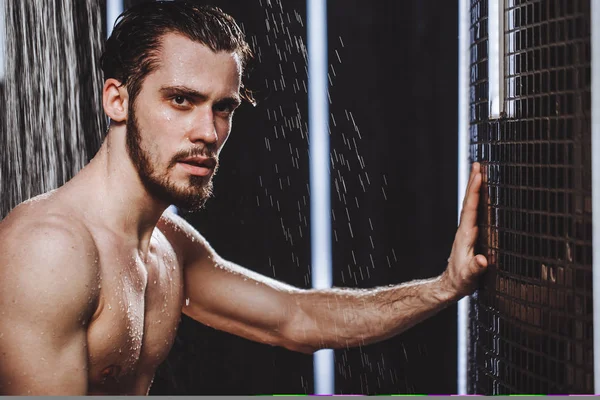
(111, 372)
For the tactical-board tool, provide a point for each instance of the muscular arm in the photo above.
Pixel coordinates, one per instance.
(232, 298)
(229, 297)
(340, 317)
(48, 290)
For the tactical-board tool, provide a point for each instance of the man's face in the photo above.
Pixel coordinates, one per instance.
(181, 119)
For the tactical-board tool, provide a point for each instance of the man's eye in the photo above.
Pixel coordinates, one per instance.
(180, 100)
(224, 108)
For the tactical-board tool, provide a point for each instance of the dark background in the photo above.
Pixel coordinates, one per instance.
(394, 165)
(396, 71)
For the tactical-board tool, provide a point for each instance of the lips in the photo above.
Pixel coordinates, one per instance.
(200, 161)
(198, 165)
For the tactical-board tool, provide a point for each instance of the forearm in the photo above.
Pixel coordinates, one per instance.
(337, 318)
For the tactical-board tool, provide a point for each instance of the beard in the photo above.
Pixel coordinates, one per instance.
(191, 197)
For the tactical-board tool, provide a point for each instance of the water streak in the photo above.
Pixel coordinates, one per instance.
(52, 118)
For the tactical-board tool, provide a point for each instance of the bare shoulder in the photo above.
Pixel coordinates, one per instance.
(49, 292)
(46, 252)
(188, 243)
(42, 223)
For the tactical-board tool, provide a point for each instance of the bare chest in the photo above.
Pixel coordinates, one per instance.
(137, 319)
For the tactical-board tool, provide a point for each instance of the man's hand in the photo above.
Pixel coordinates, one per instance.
(464, 267)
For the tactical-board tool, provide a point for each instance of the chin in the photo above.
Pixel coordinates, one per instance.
(192, 199)
(191, 207)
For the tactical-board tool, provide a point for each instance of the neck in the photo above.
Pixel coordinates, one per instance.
(113, 194)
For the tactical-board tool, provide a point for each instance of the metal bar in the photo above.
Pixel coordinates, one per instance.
(320, 203)
(114, 8)
(464, 63)
(496, 57)
(595, 38)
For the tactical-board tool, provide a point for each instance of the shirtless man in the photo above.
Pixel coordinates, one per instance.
(94, 275)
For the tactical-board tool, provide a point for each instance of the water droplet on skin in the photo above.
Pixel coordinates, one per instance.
(109, 307)
(187, 302)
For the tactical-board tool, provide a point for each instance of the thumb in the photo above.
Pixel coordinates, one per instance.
(478, 264)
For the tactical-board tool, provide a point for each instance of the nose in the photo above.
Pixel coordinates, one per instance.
(203, 127)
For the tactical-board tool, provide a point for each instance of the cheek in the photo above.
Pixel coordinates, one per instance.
(154, 115)
(154, 140)
(159, 128)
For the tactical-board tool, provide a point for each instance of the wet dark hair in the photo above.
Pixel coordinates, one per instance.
(131, 51)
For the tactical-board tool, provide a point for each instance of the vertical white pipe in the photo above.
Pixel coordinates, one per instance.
(496, 57)
(595, 37)
(113, 9)
(320, 207)
(464, 65)
(2, 39)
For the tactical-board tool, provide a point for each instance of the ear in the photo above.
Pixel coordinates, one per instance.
(115, 100)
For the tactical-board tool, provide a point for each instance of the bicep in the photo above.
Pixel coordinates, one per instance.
(232, 298)
(48, 289)
(226, 296)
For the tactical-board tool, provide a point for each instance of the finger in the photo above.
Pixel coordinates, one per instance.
(468, 216)
(481, 261)
(477, 266)
(475, 169)
(471, 176)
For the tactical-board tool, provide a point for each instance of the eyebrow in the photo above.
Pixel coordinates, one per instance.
(192, 93)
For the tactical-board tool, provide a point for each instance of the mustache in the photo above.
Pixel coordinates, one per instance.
(198, 151)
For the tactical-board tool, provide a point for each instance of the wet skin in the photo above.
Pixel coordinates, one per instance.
(127, 314)
(94, 276)
(123, 272)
